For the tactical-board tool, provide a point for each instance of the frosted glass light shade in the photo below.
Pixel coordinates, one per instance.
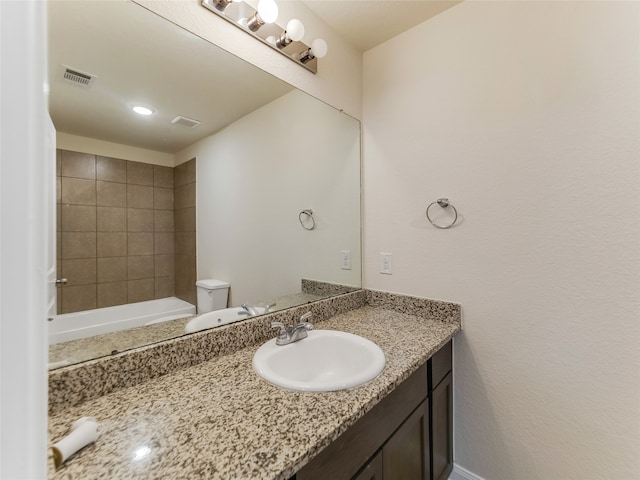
(295, 29)
(268, 10)
(319, 48)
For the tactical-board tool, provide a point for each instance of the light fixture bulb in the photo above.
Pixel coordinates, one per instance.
(140, 110)
(295, 29)
(268, 10)
(319, 48)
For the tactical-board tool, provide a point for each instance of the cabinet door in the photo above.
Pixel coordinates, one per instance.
(442, 429)
(405, 456)
(373, 470)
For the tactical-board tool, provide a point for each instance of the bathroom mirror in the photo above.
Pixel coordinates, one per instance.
(261, 154)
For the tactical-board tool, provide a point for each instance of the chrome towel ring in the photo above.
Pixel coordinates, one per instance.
(444, 203)
(306, 219)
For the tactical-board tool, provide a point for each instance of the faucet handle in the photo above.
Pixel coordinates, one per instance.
(269, 307)
(279, 325)
(306, 317)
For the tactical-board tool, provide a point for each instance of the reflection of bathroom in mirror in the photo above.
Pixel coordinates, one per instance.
(147, 205)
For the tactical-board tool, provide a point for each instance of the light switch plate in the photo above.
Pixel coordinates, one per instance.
(385, 263)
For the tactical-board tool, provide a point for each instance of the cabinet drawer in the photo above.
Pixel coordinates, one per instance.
(346, 455)
(439, 365)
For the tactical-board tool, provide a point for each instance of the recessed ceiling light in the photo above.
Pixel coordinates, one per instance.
(142, 110)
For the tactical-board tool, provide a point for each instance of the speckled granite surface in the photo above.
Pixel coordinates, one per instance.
(218, 419)
(72, 385)
(85, 349)
(317, 287)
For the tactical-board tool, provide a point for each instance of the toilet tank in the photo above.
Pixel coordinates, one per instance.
(212, 294)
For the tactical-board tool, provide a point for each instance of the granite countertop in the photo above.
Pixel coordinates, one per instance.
(218, 419)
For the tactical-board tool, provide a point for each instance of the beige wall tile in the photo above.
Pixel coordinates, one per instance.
(79, 271)
(112, 244)
(163, 198)
(78, 165)
(140, 220)
(186, 277)
(111, 194)
(140, 266)
(164, 265)
(185, 243)
(140, 243)
(59, 245)
(162, 176)
(78, 218)
(111, 169)
(79, 298)
(139, 196)
(58, 218)
(112, 293)
(185, 173)
(185, 196)
(112, 219)
(139, 173)
(140, 290)
(58, 162)
(112, 269)
(185, 220)
(78, 191)
(78, 245)
(58, 190)
(164, 243)
(165, 287)
(163, 220)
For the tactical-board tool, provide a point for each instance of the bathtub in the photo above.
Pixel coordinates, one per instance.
(72, 326)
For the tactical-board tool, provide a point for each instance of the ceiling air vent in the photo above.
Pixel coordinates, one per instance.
(185, 122)
(77, 77)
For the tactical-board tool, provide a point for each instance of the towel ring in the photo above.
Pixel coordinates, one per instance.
(444, 203)
(306, 215)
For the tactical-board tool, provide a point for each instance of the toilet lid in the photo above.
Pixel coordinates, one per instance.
(212, 284)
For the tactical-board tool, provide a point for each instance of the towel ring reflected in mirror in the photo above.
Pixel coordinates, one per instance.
(444, 203)
(306, 219)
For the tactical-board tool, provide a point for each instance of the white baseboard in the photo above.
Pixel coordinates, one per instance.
(460, 473)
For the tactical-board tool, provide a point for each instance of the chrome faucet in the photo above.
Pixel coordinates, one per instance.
(294, 333)
(249, 310)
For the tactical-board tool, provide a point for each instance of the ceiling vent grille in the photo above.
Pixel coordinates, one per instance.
(77, 77)
(185, 122)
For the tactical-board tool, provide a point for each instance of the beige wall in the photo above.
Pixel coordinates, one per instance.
(253, 182)
(526, 115)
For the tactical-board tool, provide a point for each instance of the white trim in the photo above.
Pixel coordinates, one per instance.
(23, 240)
(460, 473)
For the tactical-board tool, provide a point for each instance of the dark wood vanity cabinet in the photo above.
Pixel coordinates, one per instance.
(407, 436)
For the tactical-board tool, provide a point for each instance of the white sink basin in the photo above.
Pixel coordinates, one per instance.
(218, 318)
(324, 361)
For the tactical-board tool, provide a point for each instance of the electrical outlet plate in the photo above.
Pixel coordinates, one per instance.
(345, 259)
(385, 263)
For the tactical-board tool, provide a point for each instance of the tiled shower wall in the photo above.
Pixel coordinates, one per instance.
(185, 216)
(116, 235)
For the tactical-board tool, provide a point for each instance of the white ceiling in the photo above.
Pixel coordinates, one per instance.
(367, 23)
(141, 58)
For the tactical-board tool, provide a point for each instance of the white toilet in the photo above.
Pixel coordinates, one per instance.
(212, 295)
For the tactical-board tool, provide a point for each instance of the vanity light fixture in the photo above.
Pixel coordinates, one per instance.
(318, 49)
(140, 110)
(267, 13)
(260, 24)
(292, 33)
(221, 5)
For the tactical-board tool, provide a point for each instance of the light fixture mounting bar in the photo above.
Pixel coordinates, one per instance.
(238, 10)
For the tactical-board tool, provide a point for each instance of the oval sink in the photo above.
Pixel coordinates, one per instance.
(218, 318)
(324, 361)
